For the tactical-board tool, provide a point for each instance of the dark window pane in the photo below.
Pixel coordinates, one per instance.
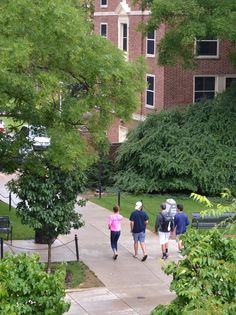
(150, 47)
(209, 83)
(104, 30)
(205, 48)
(151, 35)
(149, 99)
(230, 81)
(204, 83)
(150, 83)
(199, 83)
(125, 44)
(203, 95)
(103, 2)
(125, 30)
(198, 96)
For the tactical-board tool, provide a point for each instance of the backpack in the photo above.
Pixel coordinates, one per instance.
(171, 207)
(167, 223)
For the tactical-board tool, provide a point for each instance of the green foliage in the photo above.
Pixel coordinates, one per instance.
(189, 150)
(102, 170)
(204, 280)
(48, 200)
(51, 56)
(187, 20)
(25, 288)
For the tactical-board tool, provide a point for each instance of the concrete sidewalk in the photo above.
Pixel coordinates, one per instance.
(131, 286)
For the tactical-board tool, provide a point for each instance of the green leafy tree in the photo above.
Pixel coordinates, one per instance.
(27, 289)
(186, 20)
(204, 281)
(55, 72)
(189, 150)
(47, 202)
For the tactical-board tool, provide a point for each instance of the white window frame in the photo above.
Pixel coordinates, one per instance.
(207, 56)
(121, 21)
(153, 91)
(123, 132)
(154, 40)
(102, 24)
(122, 37)
(205, 76)
(103, 5)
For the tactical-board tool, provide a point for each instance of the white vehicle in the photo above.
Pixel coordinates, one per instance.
(39, 138)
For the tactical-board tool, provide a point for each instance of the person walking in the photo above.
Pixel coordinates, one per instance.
(138, 222)
(114, 225)
(163, 226)
(180, 224)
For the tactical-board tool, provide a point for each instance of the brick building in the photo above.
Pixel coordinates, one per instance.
(167, 86)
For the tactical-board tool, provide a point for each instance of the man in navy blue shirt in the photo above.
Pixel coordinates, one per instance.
(180, 223)
(138, 221)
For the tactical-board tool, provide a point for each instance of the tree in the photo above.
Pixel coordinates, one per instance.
(55, 72)
(204, 281)
(189, 150)
(27, 289)
(47, 201)
(186, 20)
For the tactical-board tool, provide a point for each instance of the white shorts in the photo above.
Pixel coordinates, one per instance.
(164, 237)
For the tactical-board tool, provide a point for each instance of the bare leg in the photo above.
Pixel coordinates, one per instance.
(180, 244)
(143, 246)
(135, 248)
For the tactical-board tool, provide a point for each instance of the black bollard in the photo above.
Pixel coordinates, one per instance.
(1, 248)
(119, 198)
(76, 248)
(9, 201)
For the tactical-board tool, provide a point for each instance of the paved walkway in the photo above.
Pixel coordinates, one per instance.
(131, 286)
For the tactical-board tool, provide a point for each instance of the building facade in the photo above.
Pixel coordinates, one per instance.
(167, 86)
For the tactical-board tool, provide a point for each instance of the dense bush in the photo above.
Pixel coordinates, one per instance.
(102, 170)
(204, 281)
(27, 289)
(189, 150)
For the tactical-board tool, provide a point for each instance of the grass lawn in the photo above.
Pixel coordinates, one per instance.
(151, 204)
(78, 275)
(20, 231)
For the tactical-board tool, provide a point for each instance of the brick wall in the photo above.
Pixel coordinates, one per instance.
(173, 85)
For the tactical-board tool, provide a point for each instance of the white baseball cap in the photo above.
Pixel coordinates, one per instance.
(138, 205)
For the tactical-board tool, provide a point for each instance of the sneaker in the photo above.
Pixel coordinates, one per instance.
(164, 256)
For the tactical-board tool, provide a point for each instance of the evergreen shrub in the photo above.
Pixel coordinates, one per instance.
(193, 149)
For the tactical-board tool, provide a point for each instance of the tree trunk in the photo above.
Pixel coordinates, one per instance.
(49, 257)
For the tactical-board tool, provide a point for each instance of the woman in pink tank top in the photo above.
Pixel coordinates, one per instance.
(114, 225)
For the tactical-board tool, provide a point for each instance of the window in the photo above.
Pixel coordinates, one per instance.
(151, 43)
(204, 88)
(103, 29)
(229, 81)
(104, 3)
(124, 37)
(150, 90)
(207, 48)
